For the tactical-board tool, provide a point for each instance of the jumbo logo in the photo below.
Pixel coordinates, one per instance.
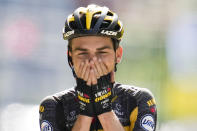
(147, 122)
(103, 97)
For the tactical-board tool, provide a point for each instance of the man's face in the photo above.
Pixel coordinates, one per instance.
(88, 47)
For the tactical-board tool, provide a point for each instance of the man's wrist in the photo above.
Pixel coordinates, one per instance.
(110, 121)
(105, 116)
(84, 117)
(83, 123)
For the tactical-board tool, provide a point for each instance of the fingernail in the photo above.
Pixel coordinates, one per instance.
(91, 62)
(94, 58)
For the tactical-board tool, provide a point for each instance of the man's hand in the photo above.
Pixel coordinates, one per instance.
(102, 90)
(83, 90)
(98, 81)
(94, 84)
(101, 86)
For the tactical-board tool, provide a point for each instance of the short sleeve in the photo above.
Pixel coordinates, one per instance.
(144, 116)
(51, 115)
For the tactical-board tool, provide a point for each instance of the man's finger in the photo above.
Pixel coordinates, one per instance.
(103, 67)
(94, 80)
(97, 66)
(89, 79)
(87, 73)
(78, 73)
(83, 72)
(97, 74)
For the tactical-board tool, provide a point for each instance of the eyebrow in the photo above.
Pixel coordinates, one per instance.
(80, 49)
(104, 47)
(84, 49)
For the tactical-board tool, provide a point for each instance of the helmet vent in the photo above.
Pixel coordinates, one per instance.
(73, 25)
(110, 13)
(105, 24)
(117, 28)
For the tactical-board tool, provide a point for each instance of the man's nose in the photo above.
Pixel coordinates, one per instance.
(92, 56)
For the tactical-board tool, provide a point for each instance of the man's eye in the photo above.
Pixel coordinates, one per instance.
(102, 52)
(84, 53)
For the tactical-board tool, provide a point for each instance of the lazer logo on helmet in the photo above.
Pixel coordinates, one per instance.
(107, 32)
(67, 34)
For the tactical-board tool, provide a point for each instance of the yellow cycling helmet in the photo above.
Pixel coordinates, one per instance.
(93, 20)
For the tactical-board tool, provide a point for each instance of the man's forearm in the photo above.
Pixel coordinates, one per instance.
(110, 122)
(82, 123)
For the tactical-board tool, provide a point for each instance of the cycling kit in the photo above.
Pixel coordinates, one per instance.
(135, 108)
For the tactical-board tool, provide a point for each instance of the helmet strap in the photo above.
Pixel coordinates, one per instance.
(73, 71)
(69, 58)
(115, 68)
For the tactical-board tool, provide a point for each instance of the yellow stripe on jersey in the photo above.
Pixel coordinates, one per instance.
(126, 128)
(133, 118)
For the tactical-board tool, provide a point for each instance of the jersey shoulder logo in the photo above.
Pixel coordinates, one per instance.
(41, 109)
(151, 102)
(46, 126)
(147, 122)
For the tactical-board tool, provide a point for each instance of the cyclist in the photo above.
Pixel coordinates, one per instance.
(97, 102)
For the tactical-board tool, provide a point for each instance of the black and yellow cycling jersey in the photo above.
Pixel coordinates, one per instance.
(135, 107)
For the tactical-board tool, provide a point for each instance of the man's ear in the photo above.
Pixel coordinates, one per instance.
(70, 58)
(69, 53)
(119, 53)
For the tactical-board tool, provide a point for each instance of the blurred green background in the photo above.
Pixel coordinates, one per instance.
(159, 53)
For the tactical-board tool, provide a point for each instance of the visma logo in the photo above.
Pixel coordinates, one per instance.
(147, 122)
(46, 126)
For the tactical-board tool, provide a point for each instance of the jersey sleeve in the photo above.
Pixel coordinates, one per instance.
(50, 115)
(144, 115)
